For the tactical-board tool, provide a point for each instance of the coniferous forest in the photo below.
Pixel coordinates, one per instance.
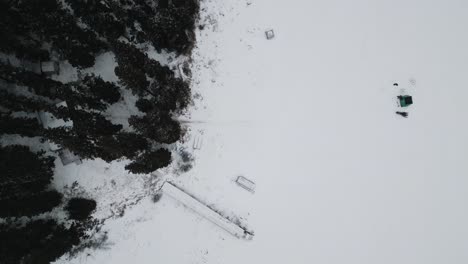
(75, 32)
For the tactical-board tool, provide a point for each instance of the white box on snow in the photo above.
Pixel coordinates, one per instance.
(246, 183)
(270, 34)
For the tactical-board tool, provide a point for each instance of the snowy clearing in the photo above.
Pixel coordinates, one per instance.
(309, 116)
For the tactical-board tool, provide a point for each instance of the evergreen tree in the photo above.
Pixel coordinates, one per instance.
(132, 78)
(145, 105)
(120, 145)
(14, 39)
(78, 95)
(49, 20)
(91, 124)
(150, 161)
(31, 205)
(39, 84)
(39, 242)
(171, 96)
(154, 69)
(18, 103)
(28, 127)
(171, 28)
(80, 208)
(92, 136)
(129, 55)
(134, 70)
(23, 172)
(129, 70)
(100, 16)
(37, 28)
(158, 126)
(106, 91)
(83, 146)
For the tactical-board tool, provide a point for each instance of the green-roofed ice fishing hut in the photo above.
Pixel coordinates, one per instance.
(405, 100)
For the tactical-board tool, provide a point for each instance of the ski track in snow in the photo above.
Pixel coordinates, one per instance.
(309, 116)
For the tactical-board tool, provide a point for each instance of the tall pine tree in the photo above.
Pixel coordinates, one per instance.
(23, 172)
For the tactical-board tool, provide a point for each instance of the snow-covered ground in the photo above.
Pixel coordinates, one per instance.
(309, 116)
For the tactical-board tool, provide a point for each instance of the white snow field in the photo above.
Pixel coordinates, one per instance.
(203, 210)
(309, 116)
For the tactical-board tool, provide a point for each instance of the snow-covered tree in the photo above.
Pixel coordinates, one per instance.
(40, 241)
(39, 84)
(80, 208)
(34, 204)
(28, 127)
(157, 126)
(23, 172)
(150, 161)
(106, 91)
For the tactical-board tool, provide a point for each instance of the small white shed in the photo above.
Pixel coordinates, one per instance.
(68, 157)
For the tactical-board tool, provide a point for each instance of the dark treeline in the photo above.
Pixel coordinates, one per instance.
(37, 31)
